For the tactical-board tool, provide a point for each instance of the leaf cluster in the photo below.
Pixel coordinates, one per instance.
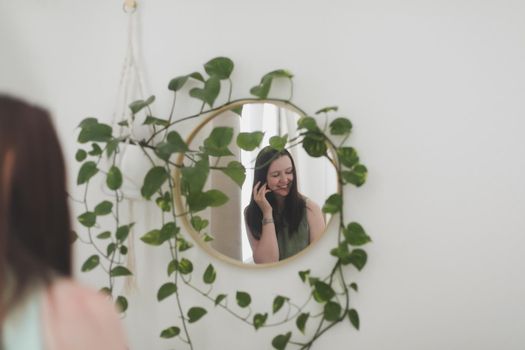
(216, 154)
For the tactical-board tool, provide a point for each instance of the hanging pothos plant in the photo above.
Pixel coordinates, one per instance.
(327, 300)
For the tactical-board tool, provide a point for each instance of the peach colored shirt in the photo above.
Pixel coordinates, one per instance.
(75, 317)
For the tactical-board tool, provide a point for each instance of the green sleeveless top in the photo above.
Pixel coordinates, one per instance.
(291, 244)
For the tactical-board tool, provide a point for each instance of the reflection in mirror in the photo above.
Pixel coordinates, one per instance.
(234, 233)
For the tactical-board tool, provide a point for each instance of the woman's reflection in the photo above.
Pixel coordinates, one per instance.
(280, 221)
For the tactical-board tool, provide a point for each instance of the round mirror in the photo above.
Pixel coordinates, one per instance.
(225, 226)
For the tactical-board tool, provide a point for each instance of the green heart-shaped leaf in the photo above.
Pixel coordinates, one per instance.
(347, 156)
(209, 275)
(198, 223)
(177, 83)
(104, 235)
(327, 109)
(110, 249)
(123, 232)
(340, 126)
(201, 200)
(103, 208)
(237, 110)
(209, 93)
(137, 106)
(357, 176)
(164, 202)
(121, 303)
(123, 250)
(304, 275)
(333, 204)
(152, 238)
(307, 123)
(358, 258)
(353, 316)
(197, 76)
(249, 141)
(279, 342)
(332, 311)
(185, 266)
(170, 332)
(195, 314)
(236, 172)
(221, 67)
(150, 120)
(278, 142)
(88, 219)
(278, 303)
(120, 271)
(259, 320)
(93, 131)
(166, 290)
(90, 263)
(80, 155)
(95, 150)
(217, 143)
(263, 89)
(114, 178)
(86, 172)
(279, 73)
(219, 298)
(301, 321)
(314, 145)
(112, 146)
(355, 234)
(323, 292)
(176, 140)
(87, 122)
(183, 244)
(193, 178)
(168, 231)
(342, 253)
(243, 299)
(153, 181)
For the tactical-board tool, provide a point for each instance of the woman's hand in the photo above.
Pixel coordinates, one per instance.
(259, 196)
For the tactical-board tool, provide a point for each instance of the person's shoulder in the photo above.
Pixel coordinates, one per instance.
(78, 297)
(311, 205)
(80, 317)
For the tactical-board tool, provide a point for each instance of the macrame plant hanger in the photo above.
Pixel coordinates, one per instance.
(130, 159)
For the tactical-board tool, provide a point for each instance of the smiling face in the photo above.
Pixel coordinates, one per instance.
(280, 176)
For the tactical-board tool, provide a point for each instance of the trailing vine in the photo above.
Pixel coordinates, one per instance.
(327, 301)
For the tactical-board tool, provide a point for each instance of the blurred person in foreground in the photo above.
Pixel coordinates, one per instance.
(40, 306)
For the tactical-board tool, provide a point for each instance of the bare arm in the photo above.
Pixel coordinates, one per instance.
(315, 218)
(266, 249)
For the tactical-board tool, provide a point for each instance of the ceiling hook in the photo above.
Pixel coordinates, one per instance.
(129, 6)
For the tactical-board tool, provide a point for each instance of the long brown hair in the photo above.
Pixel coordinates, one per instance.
(35, 228)
(294, 203)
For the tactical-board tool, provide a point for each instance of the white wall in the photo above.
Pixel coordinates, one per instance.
(435, 91)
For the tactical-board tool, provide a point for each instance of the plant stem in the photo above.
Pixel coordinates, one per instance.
(230, 90)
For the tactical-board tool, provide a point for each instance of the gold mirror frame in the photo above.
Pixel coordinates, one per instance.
(178, 195)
